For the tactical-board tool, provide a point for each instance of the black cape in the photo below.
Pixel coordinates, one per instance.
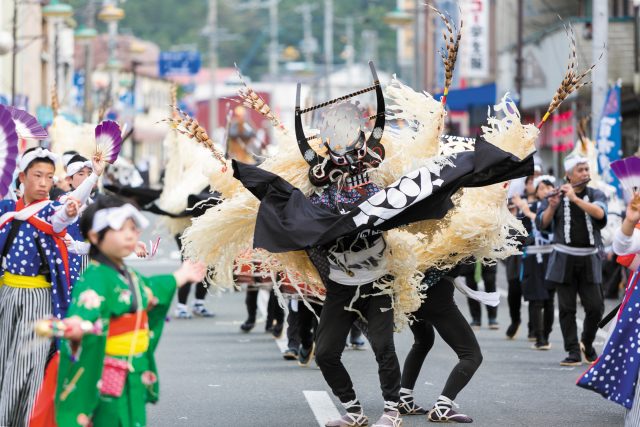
(288, 221)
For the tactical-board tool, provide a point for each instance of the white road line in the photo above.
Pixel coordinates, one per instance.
(282, 341)
(602, 334)
(322, 406)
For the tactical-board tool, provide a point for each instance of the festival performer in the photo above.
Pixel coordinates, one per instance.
(37, 281)
(107, 370)
(575, 214)
(440, 311)
(536, 250)
(615, 374)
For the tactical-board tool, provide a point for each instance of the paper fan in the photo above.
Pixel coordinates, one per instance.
(628, 172)
(26, 125)
(8, 149)
(108, 141)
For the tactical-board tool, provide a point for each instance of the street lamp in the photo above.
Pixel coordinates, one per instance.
(400, 19)
(56, 12)
(111, 15)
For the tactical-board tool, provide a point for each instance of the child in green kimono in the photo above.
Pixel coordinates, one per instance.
(107, 369)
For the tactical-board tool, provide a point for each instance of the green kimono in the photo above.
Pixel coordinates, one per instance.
(103, 295)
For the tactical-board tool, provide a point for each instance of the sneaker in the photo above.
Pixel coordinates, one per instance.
(350, 419)
(512, 330)
(305, 356)
(181, 313)
(247, 326)
(389, 419)
(290, 354)
(493, 324)
(358, 343)
(200, 310)
(276, 331)
(408, 406)
(442, 412)
(589, 353)
(541, 345)
(572, 360)
(475, 324)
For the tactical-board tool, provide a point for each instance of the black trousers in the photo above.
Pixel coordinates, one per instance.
(183, 292)
(541, 316)
(591, 297)
(274, 311)
(293, 328)
(333, 328)
(489, 278)
(514, 298)
(440, 311)
(308, 323)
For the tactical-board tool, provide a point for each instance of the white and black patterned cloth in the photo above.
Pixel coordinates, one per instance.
(288, 221)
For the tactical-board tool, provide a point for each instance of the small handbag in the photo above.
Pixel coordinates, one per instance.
(114, 376)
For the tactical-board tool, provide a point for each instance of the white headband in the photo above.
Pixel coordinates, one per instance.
(116, 217)
(38, 153)
(75, 167)
(572, 161)
(538, 180)
(67, 157)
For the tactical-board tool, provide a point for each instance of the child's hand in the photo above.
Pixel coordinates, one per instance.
(141, 250)
(71, 208)
(190, 272)
(73, 328)
(98, 165)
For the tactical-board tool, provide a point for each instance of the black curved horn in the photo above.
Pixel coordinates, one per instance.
(378, 128)
(307, 152)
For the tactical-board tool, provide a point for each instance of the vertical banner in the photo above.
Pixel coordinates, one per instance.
(609, 139)
(474, 45)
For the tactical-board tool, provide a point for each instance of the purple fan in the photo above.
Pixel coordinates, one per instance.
(108, 140)
(26, 125)
(8, 149)
(628, 172)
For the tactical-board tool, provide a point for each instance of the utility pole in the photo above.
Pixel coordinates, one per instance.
(519, 77)
(328, 44)
(600, 26)
(350, 48)
(14, 51)
(88, 62)
(213, 65)
(273, 33)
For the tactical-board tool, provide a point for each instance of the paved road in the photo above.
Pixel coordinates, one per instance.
(213, 375)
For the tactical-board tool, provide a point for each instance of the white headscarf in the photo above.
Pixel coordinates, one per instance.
(38, 153)
(116, 217)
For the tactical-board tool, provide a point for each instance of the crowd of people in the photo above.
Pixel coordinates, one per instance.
(372, 231)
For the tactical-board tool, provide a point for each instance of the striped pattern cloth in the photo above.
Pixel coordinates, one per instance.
(22, 355)
(632, 419)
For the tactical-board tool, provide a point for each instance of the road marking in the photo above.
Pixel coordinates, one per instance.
(556, 315)
(322, 406)
(282, 342)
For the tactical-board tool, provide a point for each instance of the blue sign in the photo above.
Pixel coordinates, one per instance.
(609, 138)
(44, 114)
(78, 83)
(179, 63)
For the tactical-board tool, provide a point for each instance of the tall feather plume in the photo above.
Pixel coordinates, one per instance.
(573, 80)
(189, 126)
(582, 131)
(173, 94)
(55, 102)
(451, 34)
(254, 101)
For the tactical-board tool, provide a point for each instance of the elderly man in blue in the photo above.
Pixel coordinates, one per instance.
(35, 280)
